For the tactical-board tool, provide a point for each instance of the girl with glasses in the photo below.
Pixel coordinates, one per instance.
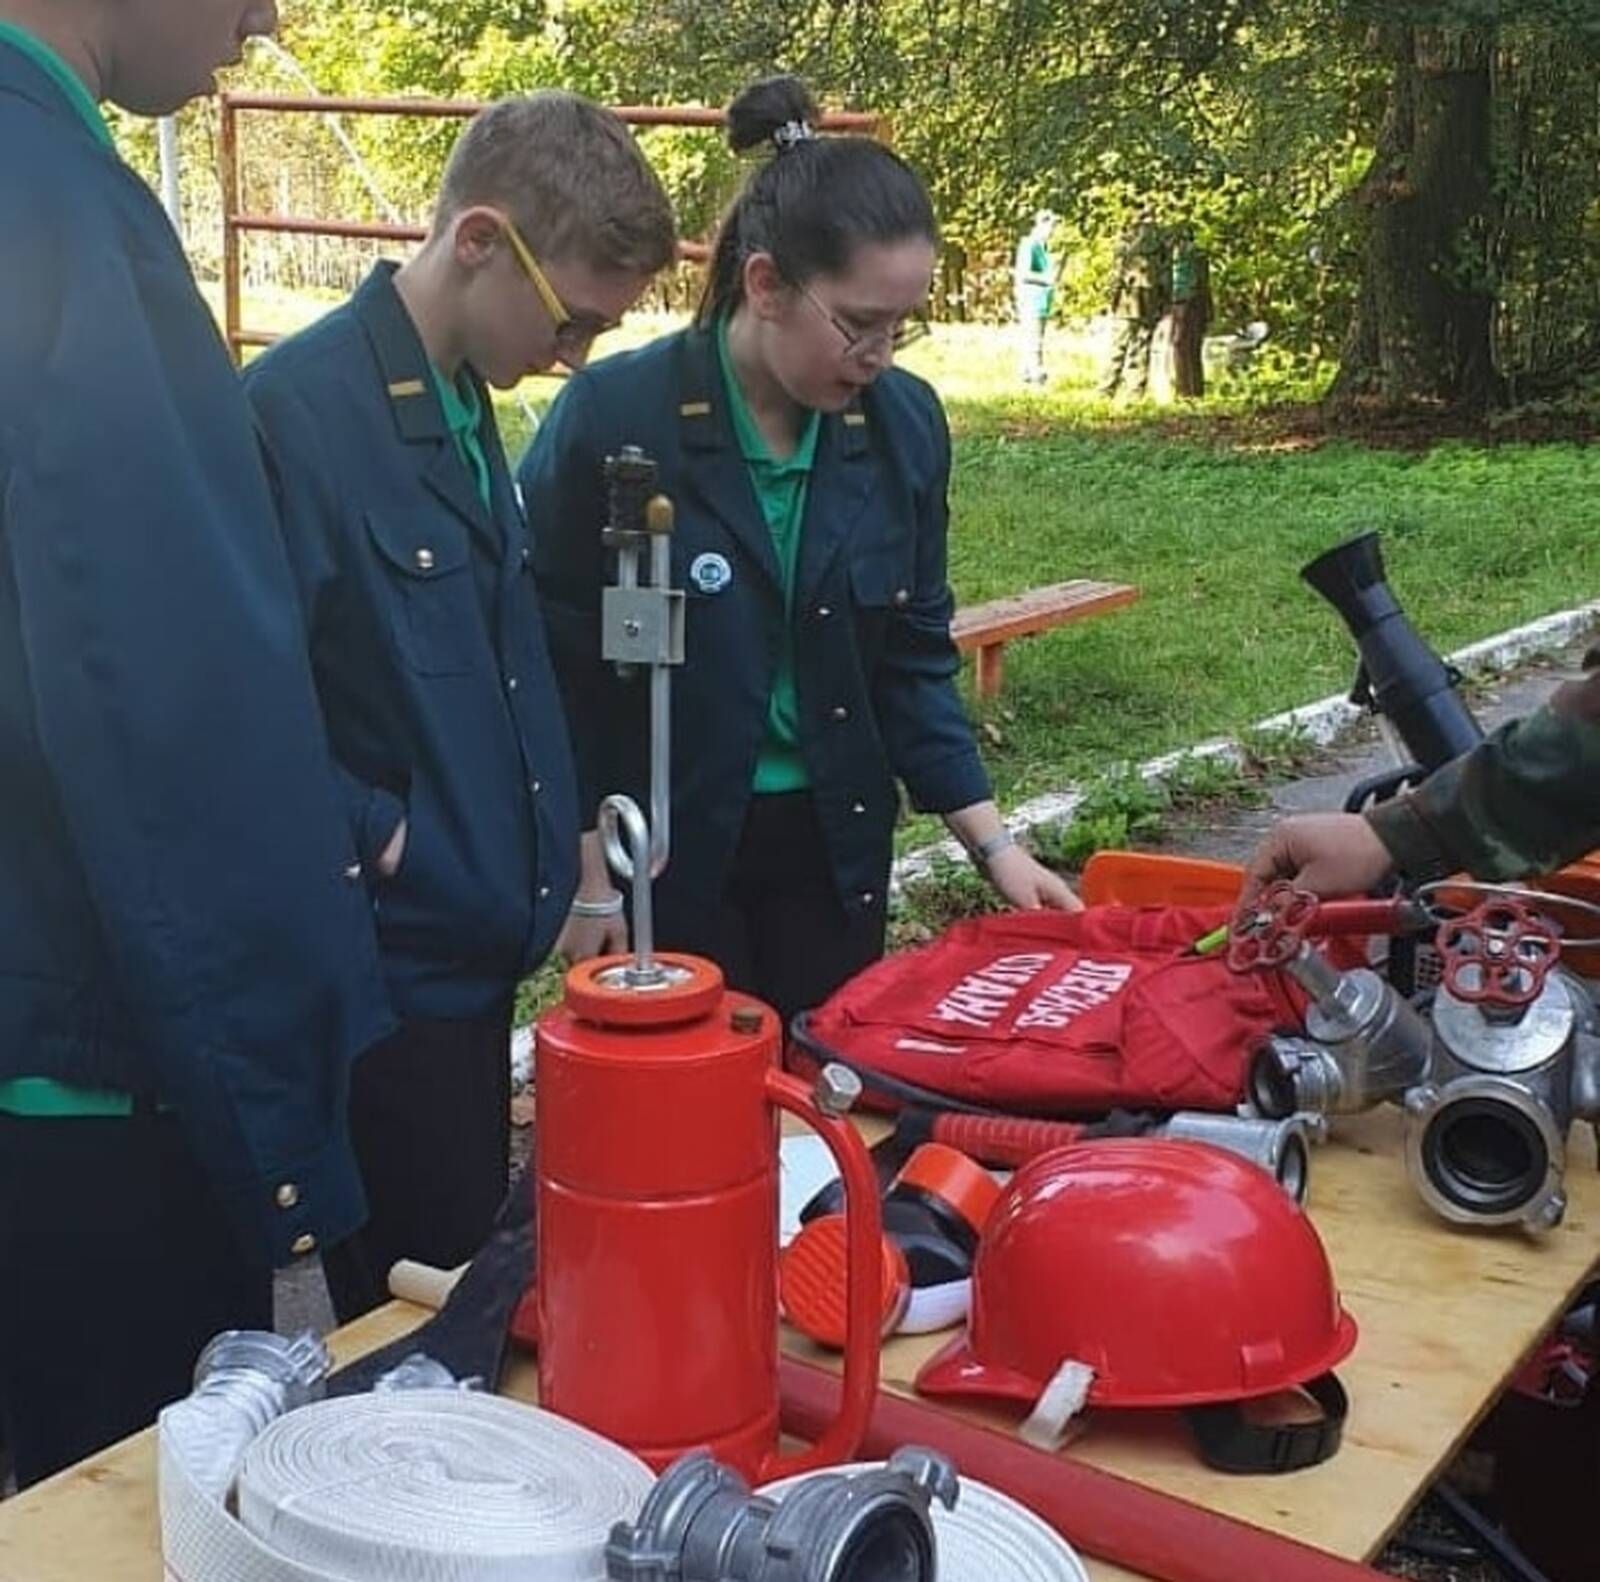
(809, 475)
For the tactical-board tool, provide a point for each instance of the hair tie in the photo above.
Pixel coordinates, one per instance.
(791, 134)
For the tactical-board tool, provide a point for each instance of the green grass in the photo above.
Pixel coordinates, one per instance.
(1476, 540)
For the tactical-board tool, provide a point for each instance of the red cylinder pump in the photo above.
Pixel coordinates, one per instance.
(656, 1161)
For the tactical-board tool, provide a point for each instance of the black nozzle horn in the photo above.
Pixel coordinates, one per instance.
(1407, 681)
(1351, 578)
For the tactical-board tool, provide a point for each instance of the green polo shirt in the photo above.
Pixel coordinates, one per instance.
(463, 416)
(41, 1096)
(780, 489)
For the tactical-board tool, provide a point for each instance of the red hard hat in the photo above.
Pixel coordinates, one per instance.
(1180, 1274)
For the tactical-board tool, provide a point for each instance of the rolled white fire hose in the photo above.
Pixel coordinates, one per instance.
(430, 1485)
(988, 1537)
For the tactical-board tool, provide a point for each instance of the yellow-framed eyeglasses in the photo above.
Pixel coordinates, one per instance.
(572, 330)
(554, 306)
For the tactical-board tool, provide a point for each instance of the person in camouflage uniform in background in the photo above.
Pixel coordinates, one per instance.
(1526, 801)
(1191, 313)
(1141, 292)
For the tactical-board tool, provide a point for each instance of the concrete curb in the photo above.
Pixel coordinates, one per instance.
(1323, 722)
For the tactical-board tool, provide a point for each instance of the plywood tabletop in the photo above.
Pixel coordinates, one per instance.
(1446, 1316)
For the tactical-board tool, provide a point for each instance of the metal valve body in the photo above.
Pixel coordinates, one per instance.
(1491, 1079)
(1486, 1133)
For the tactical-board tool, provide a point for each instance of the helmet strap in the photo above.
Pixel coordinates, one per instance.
(1058, 1406)
(1230, 1442)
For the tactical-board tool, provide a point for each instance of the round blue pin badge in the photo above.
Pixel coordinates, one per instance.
(710, 572)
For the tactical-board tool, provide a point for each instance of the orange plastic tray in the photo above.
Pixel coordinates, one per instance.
(1139, 878)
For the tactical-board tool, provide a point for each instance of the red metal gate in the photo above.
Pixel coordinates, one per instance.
(236, 224)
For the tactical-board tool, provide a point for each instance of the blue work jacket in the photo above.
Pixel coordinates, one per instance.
(429, 652)
(874, 664)
(180, 908)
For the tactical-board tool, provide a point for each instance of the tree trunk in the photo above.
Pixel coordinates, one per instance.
(1424, 323)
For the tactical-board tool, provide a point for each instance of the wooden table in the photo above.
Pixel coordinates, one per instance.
(1446, 1316)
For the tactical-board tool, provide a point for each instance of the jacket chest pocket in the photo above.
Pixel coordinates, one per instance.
(425, 575)
(880, 585)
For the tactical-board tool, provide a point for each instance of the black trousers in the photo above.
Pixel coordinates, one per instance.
(116, 1267)
(780, 931)
(430, 1115)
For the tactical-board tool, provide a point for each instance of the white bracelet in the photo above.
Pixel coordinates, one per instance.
(610, 907)
(987, 850)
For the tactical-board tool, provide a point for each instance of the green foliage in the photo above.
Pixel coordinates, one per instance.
(950, 891)
(1256, 122)
(1120, 808)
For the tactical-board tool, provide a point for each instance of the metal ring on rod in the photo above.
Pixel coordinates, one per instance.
(621, 816)
(1475, 887)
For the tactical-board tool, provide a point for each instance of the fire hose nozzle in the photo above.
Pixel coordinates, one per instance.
(1279, 1145)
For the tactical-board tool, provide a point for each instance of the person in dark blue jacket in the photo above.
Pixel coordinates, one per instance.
(412, 557)
(187, 960)
(810, 478)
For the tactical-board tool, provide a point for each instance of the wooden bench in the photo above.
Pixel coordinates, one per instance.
(987, 628)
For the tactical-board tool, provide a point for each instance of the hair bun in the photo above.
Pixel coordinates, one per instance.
(759, 113)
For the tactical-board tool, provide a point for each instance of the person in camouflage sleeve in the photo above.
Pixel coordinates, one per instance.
(1140, 296)
(1524, 802)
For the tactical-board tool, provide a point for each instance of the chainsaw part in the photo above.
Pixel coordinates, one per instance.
(932, 1215)
(986, 1537)
(657, 1227)
(1177, 1275)
(701, 1523)
(1098, 1513)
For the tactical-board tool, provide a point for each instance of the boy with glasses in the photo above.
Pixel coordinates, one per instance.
(426, 640)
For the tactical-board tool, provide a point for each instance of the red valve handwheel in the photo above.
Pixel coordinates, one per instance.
(1272, 929)
(1499, 954)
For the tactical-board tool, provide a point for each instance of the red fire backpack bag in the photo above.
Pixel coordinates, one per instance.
(1058, 1013)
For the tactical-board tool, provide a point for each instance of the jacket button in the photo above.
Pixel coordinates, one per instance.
(544, 892)
(858, 807)
(288, 1195)
(840, 712)
(301, 1245)
(902, 597)
(868, 897)
(424, 560)
(536, 786)
(824, 611)
(527, 555)
(353, 872)
(511, 683)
